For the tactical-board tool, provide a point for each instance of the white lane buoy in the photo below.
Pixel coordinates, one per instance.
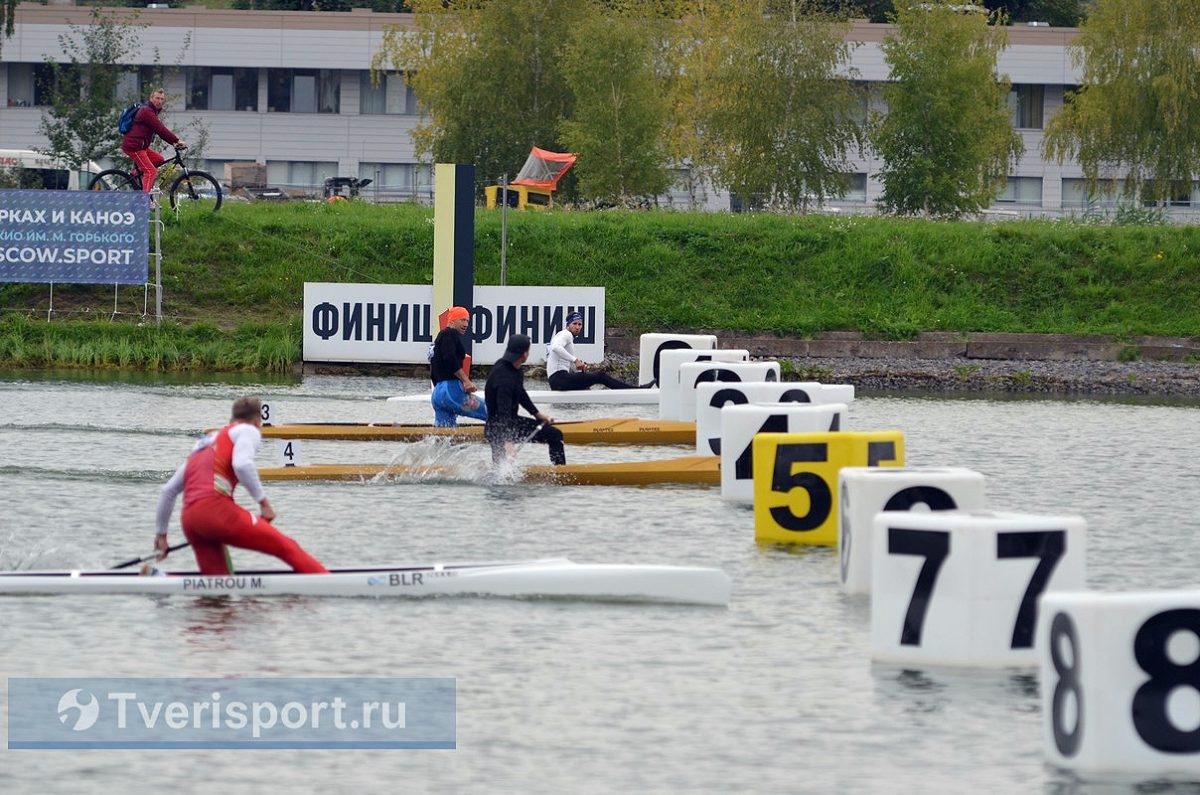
(866, 491)
(714, 396)
(962, 587)
(740, 424)
(651, 346)
(1120, 682)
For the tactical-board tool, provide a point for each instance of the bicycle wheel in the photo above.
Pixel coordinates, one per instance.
(195, 192)
(113, 179)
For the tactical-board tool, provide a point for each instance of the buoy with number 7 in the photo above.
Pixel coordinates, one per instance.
(962, 587)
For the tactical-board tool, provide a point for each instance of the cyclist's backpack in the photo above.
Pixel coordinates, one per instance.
(125, 123)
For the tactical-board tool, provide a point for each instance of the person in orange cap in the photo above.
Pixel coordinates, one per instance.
(452, 386)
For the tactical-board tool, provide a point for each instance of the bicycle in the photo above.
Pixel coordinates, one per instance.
(192, 191)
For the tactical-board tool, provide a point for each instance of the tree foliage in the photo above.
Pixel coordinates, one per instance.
(776, 111)
(488, 76)
(617, 127)
(1061, 13)
(1136, 115)
(947, 140)
(81, 120)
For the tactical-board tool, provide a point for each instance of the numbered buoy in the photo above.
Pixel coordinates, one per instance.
(651, 346)
(740, 424)
(1120, 682)
(796, 480)
(962, 587)
(669, 363)
(865, 491)
(267, 412)
(289, 452)
(714, 396)
(693, 374)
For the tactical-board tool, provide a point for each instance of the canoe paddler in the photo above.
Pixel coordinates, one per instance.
(211, 520)
(505, 392)
(452, 384)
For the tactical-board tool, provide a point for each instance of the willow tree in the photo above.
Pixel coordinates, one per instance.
(617, 125)
(488, 77)
(774, 108)
(947, 140)
(1136, 115)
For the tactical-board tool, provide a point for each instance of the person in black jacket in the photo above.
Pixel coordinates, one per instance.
(504, 393)
(452, 385)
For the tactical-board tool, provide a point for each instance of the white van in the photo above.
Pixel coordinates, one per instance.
(41, 172)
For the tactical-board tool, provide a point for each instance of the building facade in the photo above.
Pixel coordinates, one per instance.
(293, 91)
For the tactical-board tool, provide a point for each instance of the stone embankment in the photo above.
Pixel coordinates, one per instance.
(944, 362)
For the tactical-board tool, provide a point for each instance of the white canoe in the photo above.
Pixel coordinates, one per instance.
(550, 397)
(552, 578)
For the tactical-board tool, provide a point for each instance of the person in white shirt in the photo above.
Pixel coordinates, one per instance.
(565, 371)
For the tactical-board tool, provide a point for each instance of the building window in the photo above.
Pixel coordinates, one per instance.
(1075, 193)
(307, 175)
(214, 88)
(1025, 104)
(21, 85)
(398, 180)
(856, 188)
(30, 84)
(1022, 190)
(136, 83)
(392, 95)
(303, 90)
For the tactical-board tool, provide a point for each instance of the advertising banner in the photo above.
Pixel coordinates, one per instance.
(396, 323)
(80, 237)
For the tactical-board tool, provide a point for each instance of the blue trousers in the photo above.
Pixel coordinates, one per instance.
(450, 400)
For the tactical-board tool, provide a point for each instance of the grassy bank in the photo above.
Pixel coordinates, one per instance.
(793, 275)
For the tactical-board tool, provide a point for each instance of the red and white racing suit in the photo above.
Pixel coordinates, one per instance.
(211, 519)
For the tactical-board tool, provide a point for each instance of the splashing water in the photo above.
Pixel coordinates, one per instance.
(433, 459)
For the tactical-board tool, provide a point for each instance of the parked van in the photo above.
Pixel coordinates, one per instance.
(31, 169)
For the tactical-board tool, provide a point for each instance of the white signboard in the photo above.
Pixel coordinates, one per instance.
(394, 323)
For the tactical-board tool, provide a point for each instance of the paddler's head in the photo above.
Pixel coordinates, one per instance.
(458, 317)
(517, 351)
(248, 410)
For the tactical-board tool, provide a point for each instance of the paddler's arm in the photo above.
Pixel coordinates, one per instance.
(527, 404)
(166, 505)
(246, 444)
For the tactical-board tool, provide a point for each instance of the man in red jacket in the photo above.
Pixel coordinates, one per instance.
(136, 142)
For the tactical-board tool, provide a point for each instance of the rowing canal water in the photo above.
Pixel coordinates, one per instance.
(777, 693)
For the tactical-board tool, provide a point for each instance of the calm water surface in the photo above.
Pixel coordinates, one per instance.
(775, 694)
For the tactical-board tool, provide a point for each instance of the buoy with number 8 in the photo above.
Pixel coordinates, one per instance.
(1120, 682)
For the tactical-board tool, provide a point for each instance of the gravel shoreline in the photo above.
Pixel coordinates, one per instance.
(1070, 377)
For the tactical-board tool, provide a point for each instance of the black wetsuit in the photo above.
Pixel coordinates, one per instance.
(504, 393)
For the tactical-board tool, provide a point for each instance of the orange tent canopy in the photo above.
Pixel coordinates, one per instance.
(543, 169)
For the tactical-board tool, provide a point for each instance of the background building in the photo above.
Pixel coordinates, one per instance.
(293, 90)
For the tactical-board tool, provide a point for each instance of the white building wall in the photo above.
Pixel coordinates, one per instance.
(347, 41)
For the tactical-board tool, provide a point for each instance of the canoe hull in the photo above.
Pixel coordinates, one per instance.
(537, 579)
(695, 469)
(610, 431)
(611, 397)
